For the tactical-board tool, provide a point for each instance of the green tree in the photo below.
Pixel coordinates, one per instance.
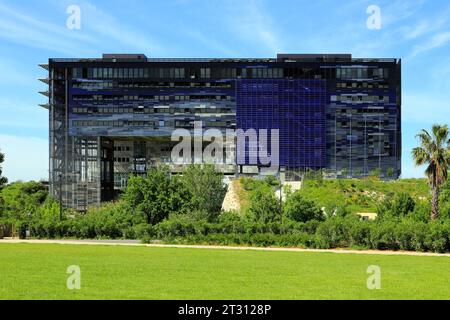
(21, 199)
(299, 209)
(265, 206)
(434, 152)
(206, 188)
(156, 195)
(3, 180)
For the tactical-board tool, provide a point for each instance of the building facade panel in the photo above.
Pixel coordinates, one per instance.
(294, 107)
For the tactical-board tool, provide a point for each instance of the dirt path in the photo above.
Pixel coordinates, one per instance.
(138, 244)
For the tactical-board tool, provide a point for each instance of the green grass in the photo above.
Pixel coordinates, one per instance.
(358, 195)
(361, 195)
(35, 271)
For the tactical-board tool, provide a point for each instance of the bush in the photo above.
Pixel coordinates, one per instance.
(272, 181)
(437, 237)
(299, 209)
(265, 207)
(383, 235)
(400, 205)
(333, 233)
(422, 212)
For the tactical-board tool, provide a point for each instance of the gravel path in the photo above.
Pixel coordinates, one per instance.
(137, 243)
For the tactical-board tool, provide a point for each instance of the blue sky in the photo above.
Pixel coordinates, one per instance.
(418, 31)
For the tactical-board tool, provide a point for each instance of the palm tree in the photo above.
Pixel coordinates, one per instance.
(435, 152)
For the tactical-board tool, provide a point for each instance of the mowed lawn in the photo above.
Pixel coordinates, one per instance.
(38, 271)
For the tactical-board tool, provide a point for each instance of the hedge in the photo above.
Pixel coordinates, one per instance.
(335, 232)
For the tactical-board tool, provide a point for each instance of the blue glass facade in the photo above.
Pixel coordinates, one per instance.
(296, 108)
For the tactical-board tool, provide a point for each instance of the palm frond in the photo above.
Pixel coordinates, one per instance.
(420, 155)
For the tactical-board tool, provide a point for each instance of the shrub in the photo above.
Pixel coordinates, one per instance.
(332, 233)
(271, 181)
(437, 237)
(265, 207)
(402, 204)
(383, 235)
(299, 209)
(422, 211)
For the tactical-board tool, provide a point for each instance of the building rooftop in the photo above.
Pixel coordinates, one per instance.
(282, 57)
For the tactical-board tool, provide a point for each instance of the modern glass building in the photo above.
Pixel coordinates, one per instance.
(114, 116)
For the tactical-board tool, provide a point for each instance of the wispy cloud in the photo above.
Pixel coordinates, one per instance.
(425, 27)
(436, 41)
(27, 30)
(107, 26)
(250, 22)
(396, 11)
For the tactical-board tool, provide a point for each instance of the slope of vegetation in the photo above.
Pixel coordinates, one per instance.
(362, 195)
(357, 196)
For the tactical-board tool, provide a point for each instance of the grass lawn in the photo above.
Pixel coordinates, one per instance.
(38, 271)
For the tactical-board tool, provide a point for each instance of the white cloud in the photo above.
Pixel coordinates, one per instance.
(108, 26)
(400, 10)
(426, 25)
(26, 158)
(436, 41)
(29, 31)
(250, 21)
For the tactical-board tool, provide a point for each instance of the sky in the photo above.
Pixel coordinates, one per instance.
(417, 31)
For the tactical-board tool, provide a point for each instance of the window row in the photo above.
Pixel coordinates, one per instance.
(152, 124)
(358, 85)
(176, 73)
(360, 98)
(362, 73)
(108, 84)
(157, 110)
(344, 72)
(104, 123)
(98, 97)
(121, 148)
(122, 159)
